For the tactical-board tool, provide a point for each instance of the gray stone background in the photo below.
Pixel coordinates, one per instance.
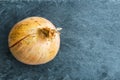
(90, 39)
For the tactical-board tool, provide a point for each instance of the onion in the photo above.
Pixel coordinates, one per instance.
(34, 40)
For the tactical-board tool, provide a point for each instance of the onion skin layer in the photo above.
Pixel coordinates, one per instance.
(34, 40)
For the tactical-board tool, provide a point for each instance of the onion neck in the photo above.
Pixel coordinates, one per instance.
(47, 33)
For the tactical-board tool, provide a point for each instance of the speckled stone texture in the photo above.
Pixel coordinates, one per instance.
(90, 39)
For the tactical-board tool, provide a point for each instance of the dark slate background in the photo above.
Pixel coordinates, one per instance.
(90, 39)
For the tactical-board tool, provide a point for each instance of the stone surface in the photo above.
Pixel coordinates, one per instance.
(90, 39)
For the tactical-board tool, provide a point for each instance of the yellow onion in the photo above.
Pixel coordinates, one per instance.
(34, 40)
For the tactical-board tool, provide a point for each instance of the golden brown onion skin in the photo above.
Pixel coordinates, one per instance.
(30, 45)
